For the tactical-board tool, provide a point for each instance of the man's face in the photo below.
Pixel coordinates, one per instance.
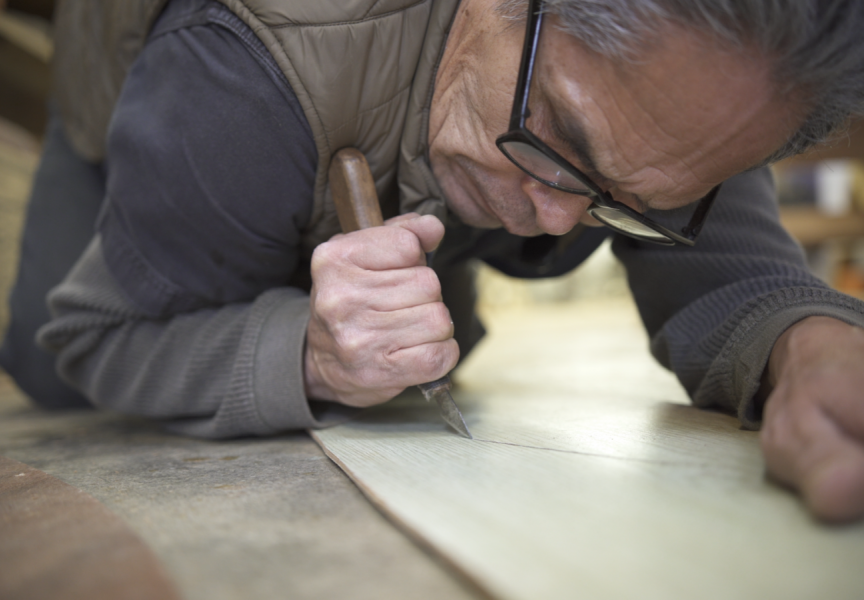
(657, 134)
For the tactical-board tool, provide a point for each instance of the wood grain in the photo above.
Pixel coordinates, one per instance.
(354, 191)
(58, 542)
(590, 476)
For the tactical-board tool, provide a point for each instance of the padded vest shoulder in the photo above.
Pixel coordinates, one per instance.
(363, 71)
(96, 42)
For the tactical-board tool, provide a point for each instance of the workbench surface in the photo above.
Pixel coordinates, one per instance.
(244, 519)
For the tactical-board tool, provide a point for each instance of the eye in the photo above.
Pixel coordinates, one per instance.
(561, 143)
(571, 150)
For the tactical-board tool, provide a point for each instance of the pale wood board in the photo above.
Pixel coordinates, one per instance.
(590, 476)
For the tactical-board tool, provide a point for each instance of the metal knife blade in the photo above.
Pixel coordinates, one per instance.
(439, 390)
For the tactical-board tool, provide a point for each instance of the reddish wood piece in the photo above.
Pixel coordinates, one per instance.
(353, 191)
(58, 542)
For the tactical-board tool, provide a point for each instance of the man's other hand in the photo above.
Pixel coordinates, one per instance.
(813, 430)
(377, 324)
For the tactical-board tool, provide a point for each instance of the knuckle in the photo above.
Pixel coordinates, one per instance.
(768, 441)
(452, 357)
(364, 379)
(352, 344)
(405, 243)
(427, 281)
(394, 365)
(327, 303)
(323, 255)
(441, 316)
(440, 358)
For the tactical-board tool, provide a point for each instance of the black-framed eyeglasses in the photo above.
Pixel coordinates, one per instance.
(532, 155)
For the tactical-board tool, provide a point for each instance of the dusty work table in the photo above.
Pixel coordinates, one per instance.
(244, 519)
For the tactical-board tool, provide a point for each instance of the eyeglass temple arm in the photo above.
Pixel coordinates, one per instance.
(526, 67)
(698, 219)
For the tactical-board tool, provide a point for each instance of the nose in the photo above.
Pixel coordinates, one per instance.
(555, 212)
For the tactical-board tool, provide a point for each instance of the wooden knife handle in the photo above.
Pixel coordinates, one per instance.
(353, 190)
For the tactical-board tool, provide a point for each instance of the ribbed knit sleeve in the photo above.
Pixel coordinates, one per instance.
(714, 311)
(181, 308)
(222, 372)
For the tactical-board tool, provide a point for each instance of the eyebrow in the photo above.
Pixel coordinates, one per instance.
(572, 134)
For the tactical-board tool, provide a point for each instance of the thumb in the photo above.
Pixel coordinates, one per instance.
(428, 229)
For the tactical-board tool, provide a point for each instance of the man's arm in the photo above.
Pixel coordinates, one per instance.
(220, 372)
(181, 308)
(718, 311)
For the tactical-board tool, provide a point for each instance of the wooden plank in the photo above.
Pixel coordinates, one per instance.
(590, 476)
(58, 542)
(811, 227)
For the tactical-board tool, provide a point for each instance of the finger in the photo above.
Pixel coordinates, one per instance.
(833, 487)
(416, 326)
(382, 335)
(429, 361)
(373, 249)
(805, 449)
(793, 433)
(400, 289)
(367, 398)
(368, 386)
(428, 229)
(381, 291)
(845, 402)
(328, 378)
(406, 367)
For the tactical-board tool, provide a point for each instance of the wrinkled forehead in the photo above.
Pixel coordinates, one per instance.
(687, 110)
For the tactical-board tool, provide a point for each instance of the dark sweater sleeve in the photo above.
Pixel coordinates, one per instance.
(210, 167)
(714, 311)
(181, 308)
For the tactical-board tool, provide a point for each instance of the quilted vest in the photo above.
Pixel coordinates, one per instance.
(363, 71)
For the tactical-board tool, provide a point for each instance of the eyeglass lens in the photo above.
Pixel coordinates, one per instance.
(621, 221)
(542, 167)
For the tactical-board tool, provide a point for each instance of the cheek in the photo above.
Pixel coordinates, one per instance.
(468, 134)
(476, 152)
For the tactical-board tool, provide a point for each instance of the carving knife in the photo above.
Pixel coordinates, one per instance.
(357, 206)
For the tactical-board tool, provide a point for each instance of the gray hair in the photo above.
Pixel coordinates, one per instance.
(817, 46)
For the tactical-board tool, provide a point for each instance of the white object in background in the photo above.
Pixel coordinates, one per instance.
(834, 187)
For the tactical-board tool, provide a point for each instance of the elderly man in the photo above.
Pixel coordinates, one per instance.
(216, 292)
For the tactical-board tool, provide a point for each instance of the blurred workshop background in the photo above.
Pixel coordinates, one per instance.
(822, 194)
